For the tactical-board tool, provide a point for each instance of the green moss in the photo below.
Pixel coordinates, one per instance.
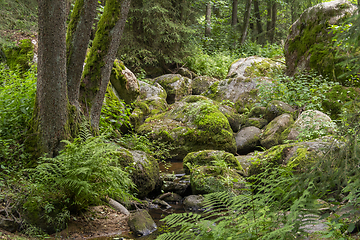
(20, 57)
(210, 158)
(74, 20)
(209, 179)
(213, 90)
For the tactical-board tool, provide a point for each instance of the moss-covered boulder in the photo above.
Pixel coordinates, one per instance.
(232, 116)
(309, 44)
(20, 56)
(272, 134)
(191, 125)
(255, 122)
(175, 85)
(275, 108)
(141, 223)
(241, 91)
(210, 179)
(311, 124)
(300, 156)
(255, 67)
(151, 101)
(124, 82)
(247, 140)
(210, 158)
(194, 203)
(145, 170)
(201, 84)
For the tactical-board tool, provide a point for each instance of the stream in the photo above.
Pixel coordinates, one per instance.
(156, 214)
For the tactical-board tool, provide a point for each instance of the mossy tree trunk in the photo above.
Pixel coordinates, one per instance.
(51, 95)
(101, 58)
(77, 40)
(54, 114)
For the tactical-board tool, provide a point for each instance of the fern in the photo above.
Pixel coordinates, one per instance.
(85, 171)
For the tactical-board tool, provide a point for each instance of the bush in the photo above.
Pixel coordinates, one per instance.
(17, 94)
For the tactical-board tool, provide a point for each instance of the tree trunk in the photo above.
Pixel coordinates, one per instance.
(208, 20)
(234, 13)
(101, 58)
(273, 22)
(258, 22)
(51, 95)
(268, 18)
(246, 21)
(77, 40)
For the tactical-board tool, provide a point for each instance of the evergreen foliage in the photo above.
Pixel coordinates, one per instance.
(156, 36)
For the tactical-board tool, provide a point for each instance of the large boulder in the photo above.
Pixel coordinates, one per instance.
(254, 67)
(175, 85)
(309, 44)
(272, 134)
(244, 77)
(145, 170)
(152, 100)
(210, 179)
(191, 125)
(311, 124)
(201, 84)
(247, 139)
(300, 156)
(124, 82)
(210, 158)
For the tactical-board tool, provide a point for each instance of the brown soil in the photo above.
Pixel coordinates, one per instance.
(99, 221)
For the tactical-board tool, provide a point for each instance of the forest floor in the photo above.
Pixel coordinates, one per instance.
(98, 222)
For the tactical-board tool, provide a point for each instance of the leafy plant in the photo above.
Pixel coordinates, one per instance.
(83, 174)
(306, 90)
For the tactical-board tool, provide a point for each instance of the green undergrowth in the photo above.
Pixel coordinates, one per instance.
(84, 174)
(306, 90)
(17, 94)
(216, 64)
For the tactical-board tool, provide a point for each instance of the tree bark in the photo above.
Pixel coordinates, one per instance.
(51, 95)
(234, 13)
(246, 21)
(101, 58)
(208, 20)
(273, 22)
(77, 40)
(258, 21)
(268, 18)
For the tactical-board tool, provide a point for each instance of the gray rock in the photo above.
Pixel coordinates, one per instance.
(309, 44)
(247, 139)
(141, 223)
(118, 207)
(272, 134)
(275, 108)
(201, 84)
(176, 86)
(124, 82)
(194, 203)
(253, 66)
(311, 124)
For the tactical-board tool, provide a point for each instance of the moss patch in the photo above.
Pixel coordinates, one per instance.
(20, 57)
